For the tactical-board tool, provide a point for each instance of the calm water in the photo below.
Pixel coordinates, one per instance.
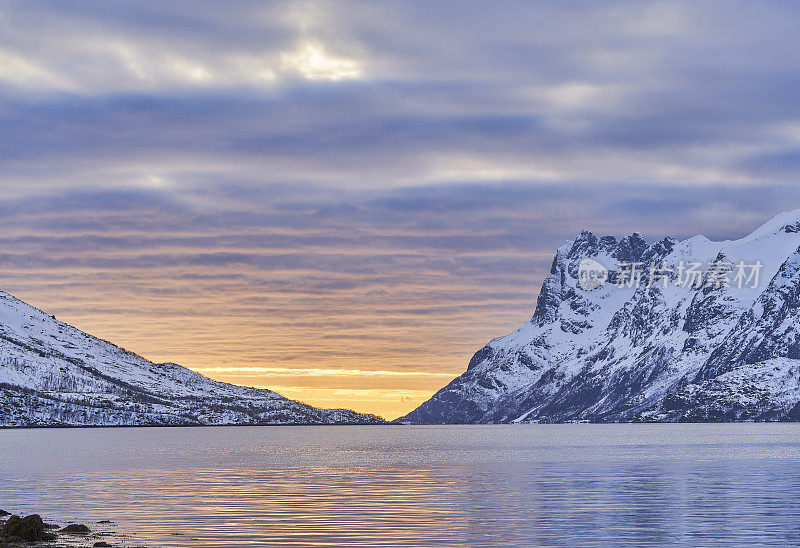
(527, 485)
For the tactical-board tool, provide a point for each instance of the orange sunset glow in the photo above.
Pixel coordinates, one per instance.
(381, 348)
(345, 208)
(399, 273)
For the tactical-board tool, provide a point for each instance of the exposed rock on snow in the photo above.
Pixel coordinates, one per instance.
(715, 349)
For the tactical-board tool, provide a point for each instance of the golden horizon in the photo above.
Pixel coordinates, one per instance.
(351, 360)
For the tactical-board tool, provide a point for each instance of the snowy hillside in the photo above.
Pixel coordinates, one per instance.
(54, 374)
(691, 330)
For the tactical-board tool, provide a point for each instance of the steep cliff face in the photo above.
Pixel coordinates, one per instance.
(680, 331)
(52, 374)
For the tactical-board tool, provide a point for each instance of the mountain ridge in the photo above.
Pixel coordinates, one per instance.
(651, 351)
(53, 374)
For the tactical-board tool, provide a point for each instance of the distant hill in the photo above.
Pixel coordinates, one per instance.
(52, 374)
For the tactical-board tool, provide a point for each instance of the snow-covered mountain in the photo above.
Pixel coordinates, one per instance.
(52, 374)
(711, 332)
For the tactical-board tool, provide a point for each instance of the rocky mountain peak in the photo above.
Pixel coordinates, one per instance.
(694, 330)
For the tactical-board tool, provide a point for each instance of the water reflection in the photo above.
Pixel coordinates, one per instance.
(534, 485)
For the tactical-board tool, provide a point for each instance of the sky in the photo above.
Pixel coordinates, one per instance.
(342, 201)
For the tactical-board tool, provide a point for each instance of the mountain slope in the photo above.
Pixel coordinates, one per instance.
(662, 349)
(52, 374)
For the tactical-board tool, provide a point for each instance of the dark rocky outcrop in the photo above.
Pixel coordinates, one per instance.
(29, 529)
(75, 529)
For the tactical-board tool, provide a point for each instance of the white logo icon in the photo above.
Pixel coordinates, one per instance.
(591, 275)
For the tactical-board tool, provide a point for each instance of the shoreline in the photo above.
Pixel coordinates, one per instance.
(68, 426)
(31, 530)
(384, 424)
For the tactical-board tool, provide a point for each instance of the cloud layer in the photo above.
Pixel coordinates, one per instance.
(328, 188)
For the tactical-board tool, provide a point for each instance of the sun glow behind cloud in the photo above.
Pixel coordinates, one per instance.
(90, 59)
(313, 61)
